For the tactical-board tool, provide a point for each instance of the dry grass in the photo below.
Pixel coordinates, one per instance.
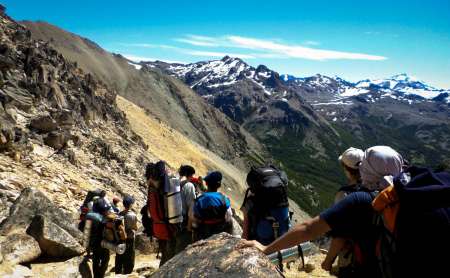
(312, 268)
(176, 149)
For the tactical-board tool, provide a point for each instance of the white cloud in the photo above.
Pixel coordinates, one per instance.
(296, 51)
(196, 42)
(272, 49)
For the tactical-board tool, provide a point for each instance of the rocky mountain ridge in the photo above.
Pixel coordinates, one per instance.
(63, 133)
(306, 122)
(163, 97)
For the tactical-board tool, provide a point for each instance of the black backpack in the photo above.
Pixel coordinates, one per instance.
(147, 222)
(268, 185)
(268, 214)
(414, 242)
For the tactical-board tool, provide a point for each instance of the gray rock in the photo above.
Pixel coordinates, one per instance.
(32, 202)
(218, 257)
(74, 268)
(237, 229)
(57, 140)
(53, 240)
(16, 271)
(19, 248)
(44, 124)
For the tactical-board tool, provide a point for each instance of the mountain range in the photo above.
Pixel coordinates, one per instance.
(301, 123)
(306, 122)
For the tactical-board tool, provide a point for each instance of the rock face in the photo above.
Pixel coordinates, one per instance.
(19, 248)
(217, 257)
(53, 240)
(31, 203)
(52, 232)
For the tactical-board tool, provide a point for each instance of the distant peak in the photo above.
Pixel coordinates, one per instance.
(226, 58)
(403, 77)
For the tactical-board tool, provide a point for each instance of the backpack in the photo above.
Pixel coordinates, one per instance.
(163, 225)
(211, 207)
(114, 228)
(210, 210)
(85, 209)
(413, 218)
(147, 222)
(268, 215)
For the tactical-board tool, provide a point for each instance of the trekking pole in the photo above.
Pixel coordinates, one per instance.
(291, 254)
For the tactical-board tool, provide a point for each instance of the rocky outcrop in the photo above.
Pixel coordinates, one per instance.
(31, 203)
(51, 231)
(218, 257)
(53, 240)
(78, 267)
(19, 248)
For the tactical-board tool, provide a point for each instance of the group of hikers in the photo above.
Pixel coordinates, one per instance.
(389, 220)
(105, 226)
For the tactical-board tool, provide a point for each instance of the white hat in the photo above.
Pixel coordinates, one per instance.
(352, 157)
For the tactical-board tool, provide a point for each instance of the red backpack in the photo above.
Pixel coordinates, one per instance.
(156, 208)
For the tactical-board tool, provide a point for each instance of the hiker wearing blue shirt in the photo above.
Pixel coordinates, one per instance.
(211, 213)
(352, 217)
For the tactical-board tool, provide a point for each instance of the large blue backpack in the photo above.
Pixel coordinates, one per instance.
(267, 203)
(210, 210)
(414, 223)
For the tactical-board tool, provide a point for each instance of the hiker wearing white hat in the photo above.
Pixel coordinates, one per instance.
(350, 160)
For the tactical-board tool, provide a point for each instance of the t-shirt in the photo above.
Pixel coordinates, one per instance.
(188, 196)
(130, 222)
(352, 218)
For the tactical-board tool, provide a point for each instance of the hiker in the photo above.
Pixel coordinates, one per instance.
(211, 213)
(87, 205)
(125, 262)
(165, 208)
(188, 195)
(352, 217)
(266, 205)
(115, 204)
(100, 255)
(350, 161)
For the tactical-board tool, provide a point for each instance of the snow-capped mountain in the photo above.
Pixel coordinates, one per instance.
(400, 85)
(305, 122)
(208, 76)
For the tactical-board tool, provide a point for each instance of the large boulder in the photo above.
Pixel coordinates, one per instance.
(30, 203)
(78, 267)
(19, 248)
(53, 240)
(8, 271)
(218, 257)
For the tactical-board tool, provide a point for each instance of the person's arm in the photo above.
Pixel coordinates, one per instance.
(337, 244)
(308, 230)
(135, 227)
(245, 226)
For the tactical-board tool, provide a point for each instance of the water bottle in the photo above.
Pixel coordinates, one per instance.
(290, 254)
(117, 248)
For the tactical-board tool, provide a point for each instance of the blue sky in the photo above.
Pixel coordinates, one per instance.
(352, 39)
